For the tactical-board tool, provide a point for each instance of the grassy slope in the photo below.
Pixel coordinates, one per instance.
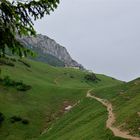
(85, 122)
(126, 102)
(51, 87)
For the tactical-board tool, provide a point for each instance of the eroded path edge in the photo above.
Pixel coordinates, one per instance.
(111, 118)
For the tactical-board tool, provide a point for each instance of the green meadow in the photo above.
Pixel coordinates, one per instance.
(51, 90)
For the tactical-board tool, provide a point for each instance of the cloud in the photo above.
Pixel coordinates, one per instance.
(103, 35)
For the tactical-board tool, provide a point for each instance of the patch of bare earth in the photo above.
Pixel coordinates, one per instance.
(64, 108)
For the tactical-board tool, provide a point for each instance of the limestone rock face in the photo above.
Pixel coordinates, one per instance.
(48, 46)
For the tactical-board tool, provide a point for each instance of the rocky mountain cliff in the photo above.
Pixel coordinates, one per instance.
(47, 46)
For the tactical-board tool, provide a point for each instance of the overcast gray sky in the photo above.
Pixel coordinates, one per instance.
(102, 35)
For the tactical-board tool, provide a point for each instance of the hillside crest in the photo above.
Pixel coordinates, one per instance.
(44, 45)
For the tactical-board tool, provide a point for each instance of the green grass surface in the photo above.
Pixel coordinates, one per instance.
(126, 102)
(87, 121)
(43, 104)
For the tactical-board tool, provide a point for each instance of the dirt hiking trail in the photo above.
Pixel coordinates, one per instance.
(111, 119)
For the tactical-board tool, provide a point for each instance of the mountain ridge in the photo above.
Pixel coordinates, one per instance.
(43, 45)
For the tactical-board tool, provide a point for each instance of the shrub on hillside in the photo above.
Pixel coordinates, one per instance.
(4, 61)
(15, 119)
(23, 87)
(91, 77)
(13, 59)
(71, 76)
(25, 121)
(26, 64)
(1, 118)
(6, 81)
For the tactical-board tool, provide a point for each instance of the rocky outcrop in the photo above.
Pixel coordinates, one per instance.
(47, 45)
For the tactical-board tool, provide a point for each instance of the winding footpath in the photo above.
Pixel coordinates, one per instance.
(111, 119)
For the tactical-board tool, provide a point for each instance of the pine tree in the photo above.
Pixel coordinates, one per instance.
(16, 17)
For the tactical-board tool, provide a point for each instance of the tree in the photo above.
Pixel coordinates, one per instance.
(16, 17)
(90, 77)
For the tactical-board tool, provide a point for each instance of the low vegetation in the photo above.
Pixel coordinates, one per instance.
(44, 103)
(15, 119)
(126, 101)
(6, 61)
(8, 82)
(91, 77)
(1, 118)
(25, 63)
(86, 121)
(42, 109)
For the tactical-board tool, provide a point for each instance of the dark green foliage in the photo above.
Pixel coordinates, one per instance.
(20, 86)
(1, 118)
(47, 58)
(25, 121)
(71, 76)
(90, 77)
(26, 64)
(13, 59)
(7, 81)
(16, 18)
(4, 61)
(23, 87)
(15, 119)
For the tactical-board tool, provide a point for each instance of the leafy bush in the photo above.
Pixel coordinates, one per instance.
(91, 77)
(15, 119)
(4, 61)
(1, 118)
(71, 76)
(23, 87)
(26, 64)
(13, 59)
(25, 121)
(6, 81)
(18, 83)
